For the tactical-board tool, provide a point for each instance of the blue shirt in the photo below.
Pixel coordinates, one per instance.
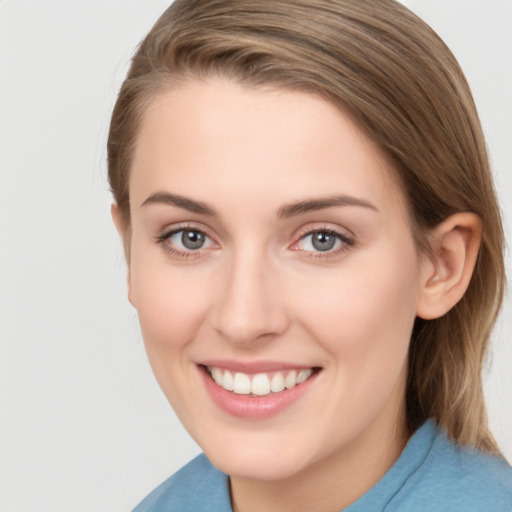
(431, 475)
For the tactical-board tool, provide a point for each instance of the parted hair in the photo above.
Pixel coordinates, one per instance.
(390, 72)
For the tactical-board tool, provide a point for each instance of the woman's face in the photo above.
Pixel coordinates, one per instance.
(270, 244)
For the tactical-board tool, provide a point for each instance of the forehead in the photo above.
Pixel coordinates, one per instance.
(218, 136)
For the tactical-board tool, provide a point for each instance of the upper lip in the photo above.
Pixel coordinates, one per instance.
(251, 367)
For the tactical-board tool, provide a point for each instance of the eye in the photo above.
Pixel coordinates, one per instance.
(189, 239)
(184, 241)
(323, 241)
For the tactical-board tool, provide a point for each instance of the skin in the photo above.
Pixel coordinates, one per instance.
(258, 290)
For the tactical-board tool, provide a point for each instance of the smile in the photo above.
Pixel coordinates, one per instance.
(258, 390)
(259, 384)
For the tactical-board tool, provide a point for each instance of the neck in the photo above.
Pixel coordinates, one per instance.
(330, 484)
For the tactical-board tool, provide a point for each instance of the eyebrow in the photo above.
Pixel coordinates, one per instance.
(286, 211)
(191, 205)
(311, 205)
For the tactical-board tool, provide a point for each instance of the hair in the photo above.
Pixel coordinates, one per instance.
(390, 72)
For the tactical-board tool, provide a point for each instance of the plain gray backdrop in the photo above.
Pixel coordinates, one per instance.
(83, 424)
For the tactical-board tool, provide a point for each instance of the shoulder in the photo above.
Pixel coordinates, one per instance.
(196, 487)
(455, 476)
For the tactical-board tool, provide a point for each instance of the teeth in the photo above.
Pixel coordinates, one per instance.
(228, 383)
(303, 375)
(290, 380)
(242, 384)
(218, 376)
(277, 383)
(260, 384)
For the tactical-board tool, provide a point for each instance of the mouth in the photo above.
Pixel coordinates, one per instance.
(259, 384)
(254, 393)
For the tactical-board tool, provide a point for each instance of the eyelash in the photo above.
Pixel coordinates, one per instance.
(346, 243)
(190, 254)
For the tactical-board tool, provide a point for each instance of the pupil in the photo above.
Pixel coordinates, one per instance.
(192, 239)
(323, 241)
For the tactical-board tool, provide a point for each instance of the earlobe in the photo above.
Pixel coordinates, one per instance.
(455, 245)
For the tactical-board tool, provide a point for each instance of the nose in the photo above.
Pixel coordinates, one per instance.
(250, 309)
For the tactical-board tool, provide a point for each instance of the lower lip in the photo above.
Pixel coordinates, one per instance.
(254, 407)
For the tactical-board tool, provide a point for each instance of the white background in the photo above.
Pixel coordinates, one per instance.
(83, 425)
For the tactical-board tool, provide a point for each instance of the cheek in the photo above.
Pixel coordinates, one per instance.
(363, 315)
(363, 320)
(171, 311)
(170, 303)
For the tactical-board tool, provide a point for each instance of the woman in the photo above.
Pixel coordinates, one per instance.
(315, 254)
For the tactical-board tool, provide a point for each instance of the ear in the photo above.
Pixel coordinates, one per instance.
(124, 231)
(455, 244)
(117, 217)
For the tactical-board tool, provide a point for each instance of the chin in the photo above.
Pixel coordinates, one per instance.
(251, 460)
(263, 468)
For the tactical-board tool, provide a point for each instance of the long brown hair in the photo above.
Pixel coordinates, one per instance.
(399, 82)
